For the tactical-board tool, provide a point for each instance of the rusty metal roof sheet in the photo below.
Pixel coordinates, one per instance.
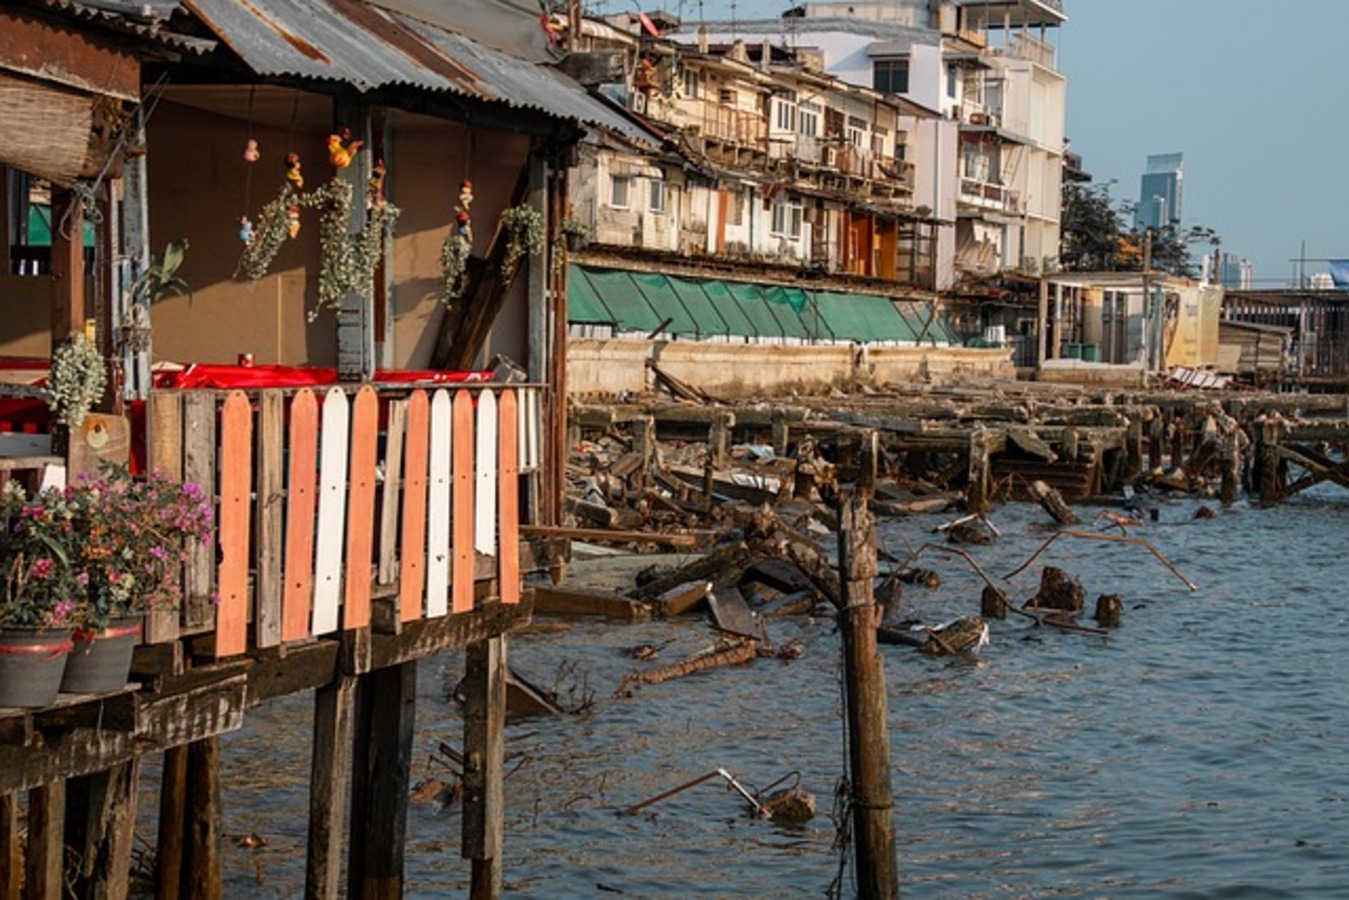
(147, 19)
(369, 47)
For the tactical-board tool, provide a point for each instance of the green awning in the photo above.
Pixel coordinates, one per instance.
(584, 306)
(706, 308)
(630, 310)
(661, 297)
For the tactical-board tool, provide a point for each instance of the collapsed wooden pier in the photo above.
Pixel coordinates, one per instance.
(979, 447)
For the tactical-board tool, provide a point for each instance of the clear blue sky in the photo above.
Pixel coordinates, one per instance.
(1253, 92)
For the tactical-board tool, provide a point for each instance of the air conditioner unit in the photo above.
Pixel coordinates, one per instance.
(638, 101)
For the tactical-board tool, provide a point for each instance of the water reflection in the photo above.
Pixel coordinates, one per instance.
(1197, 752)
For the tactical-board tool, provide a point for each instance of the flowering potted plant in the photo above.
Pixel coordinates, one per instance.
(40, 595)
(134, 533)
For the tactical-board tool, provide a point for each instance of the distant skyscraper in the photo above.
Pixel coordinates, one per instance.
(1159, 191)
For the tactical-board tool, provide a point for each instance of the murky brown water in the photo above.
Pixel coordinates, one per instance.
(1199, 752)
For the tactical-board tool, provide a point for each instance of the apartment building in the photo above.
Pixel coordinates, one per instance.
(992, 165)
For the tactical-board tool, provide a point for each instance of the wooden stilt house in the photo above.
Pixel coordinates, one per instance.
(366, 375)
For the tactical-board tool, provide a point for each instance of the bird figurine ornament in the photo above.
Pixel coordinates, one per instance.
(246, 230)
(251, 152)
(293, 174)
(342, 149)
(293, 221)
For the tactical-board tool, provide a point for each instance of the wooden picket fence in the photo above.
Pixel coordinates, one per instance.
(328, 502)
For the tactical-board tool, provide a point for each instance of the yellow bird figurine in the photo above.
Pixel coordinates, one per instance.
(293, 173)
(342, 149)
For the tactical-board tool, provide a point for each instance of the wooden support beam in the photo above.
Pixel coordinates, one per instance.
(201, 877)
(484, 690)
(386, 704)
(1271, 472)
(100, 826)
(877, 871)
(980, 481)
(329, 775)
(172, 817)
(44, 878)
(11, 847)
(67, 272)
(1133, 461)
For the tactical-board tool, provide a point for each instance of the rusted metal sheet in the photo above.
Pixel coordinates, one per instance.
(39, 48)
(369, 47)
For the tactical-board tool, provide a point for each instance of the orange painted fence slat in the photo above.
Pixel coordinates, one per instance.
(412, 571)
(461, 572)
(236, 456)
(361, 509)
(301, 504)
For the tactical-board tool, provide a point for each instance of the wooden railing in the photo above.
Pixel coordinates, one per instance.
(335, 507)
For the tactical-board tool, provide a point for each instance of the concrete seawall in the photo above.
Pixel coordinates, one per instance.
(606, 368)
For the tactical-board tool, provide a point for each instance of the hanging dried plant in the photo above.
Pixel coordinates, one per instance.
(454, 253)
(347, 262)
(524, 235)
(270, 231)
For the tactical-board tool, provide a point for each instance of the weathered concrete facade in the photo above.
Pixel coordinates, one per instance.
(608, 368)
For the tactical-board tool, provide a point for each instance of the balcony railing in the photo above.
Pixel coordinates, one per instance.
(712, 120)
(333, 510)
(1023, 46)
(987, 195)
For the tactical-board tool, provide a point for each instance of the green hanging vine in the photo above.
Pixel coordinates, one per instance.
(524, 235)
(347, 263)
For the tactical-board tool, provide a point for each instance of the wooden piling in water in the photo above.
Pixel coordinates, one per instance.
(877, 867)
(381, 773)
(484, 689)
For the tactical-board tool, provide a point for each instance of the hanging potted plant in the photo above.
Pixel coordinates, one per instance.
(575, 232)
(74, 384)
(39, 595)
(134, 533)
(524, 236)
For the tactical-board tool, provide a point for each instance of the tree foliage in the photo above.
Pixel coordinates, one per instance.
(1098, 234)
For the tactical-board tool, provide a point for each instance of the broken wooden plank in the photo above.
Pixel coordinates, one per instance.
(1053, 503)
(558, 601)
(718, 563)
(681, 598)
(734, 655)
(678, 541)
(732, 614)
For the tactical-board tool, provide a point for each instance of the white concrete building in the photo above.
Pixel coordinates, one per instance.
(993, 166)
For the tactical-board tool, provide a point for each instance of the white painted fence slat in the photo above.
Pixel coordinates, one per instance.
(438, 507)
(332, 510)
(485, 496)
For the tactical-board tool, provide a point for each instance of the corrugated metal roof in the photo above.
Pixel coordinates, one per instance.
(145, 18)
(369, 47)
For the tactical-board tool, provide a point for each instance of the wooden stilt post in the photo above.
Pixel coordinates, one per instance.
(719, 437)
(11, 848)
(43, 879)
(100, 825)
(1231, 463)
(201, 864)
(484, 764)
(644, 442)
(386, 704)
(1178, 434)
(172, 817)
(1156, 431)
(781, 432)
(1271, 481)
(330, 770)
(877, 868)
(976, 499)
(1133, 460)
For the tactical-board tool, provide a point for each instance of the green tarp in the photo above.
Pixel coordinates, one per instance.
(702, 309)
